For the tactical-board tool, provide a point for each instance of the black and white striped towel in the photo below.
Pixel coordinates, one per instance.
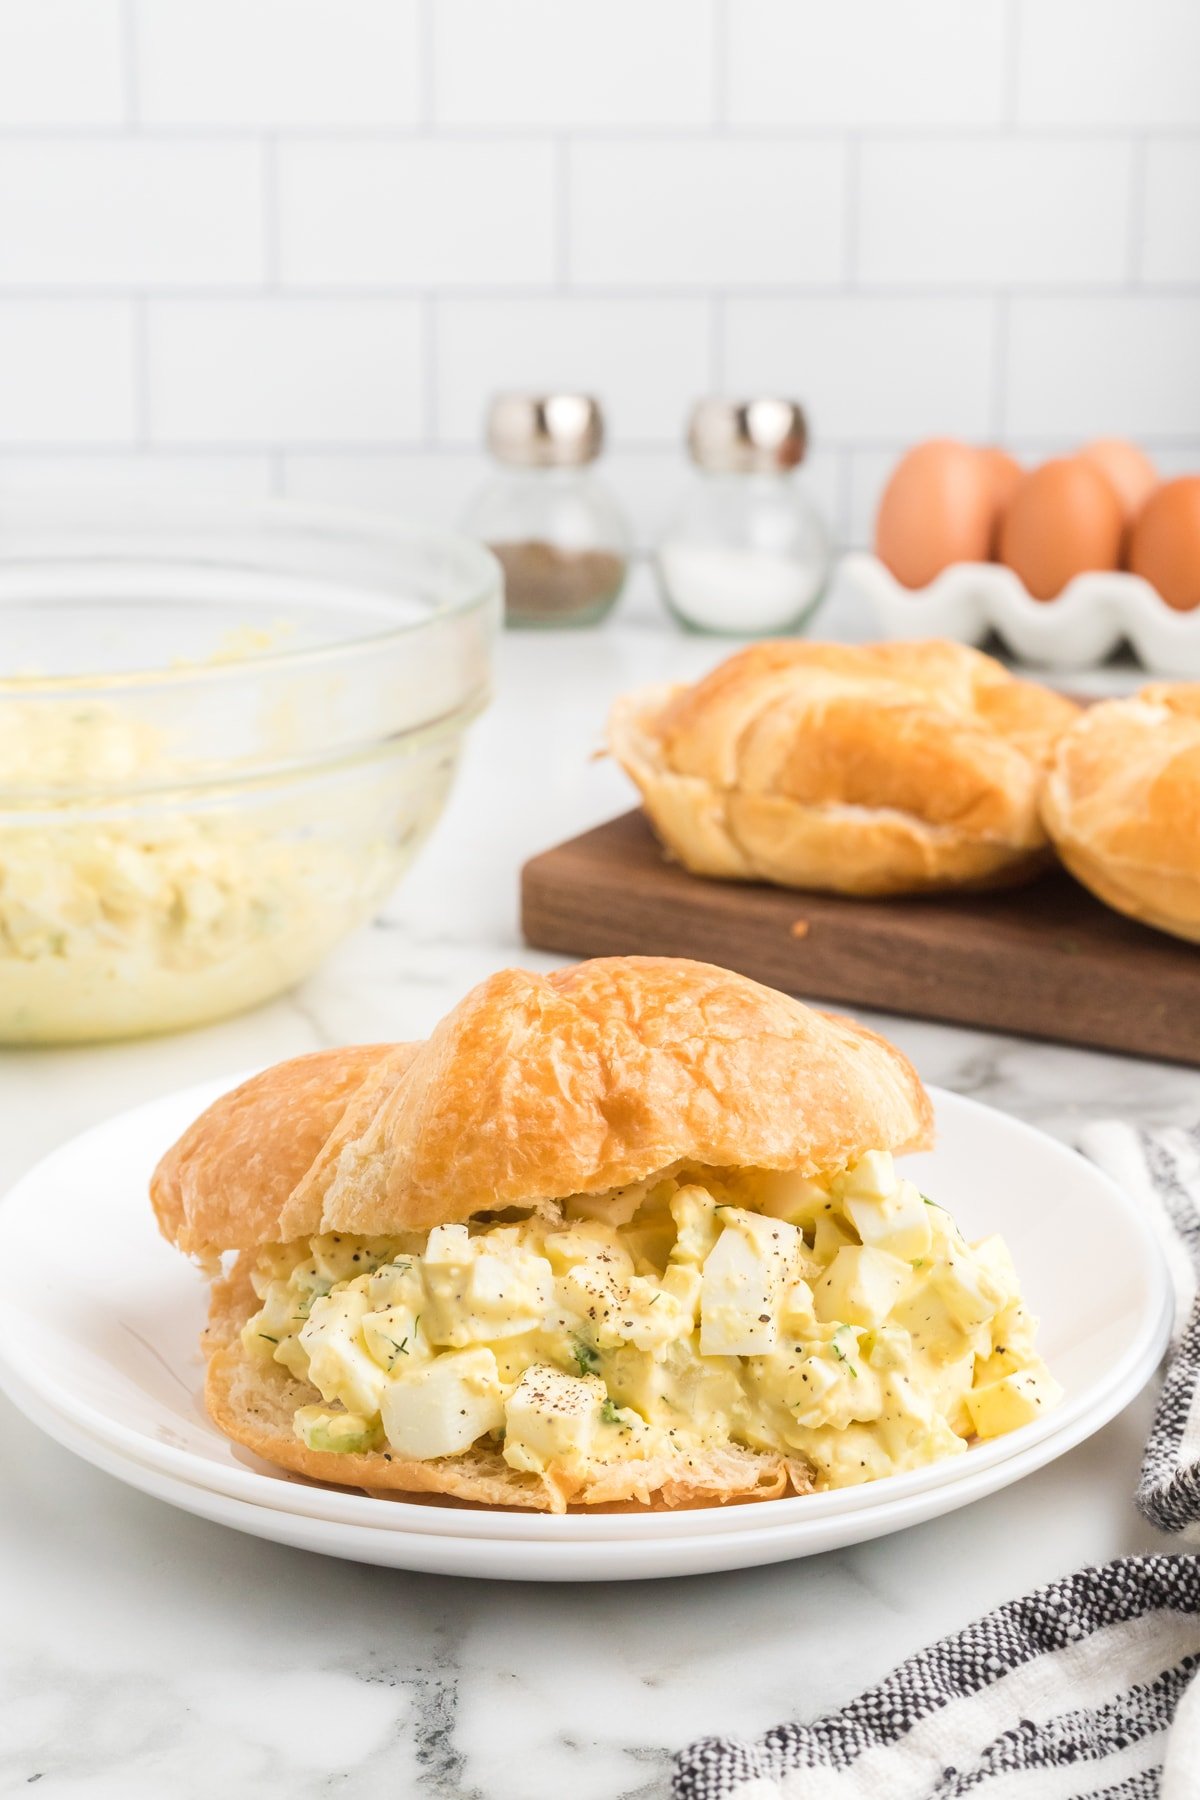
(1080, 1691)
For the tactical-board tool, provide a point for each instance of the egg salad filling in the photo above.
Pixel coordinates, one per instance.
(844, 1324)
(119, 916)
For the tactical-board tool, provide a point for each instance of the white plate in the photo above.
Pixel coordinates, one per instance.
(647, 1557)
(1094, 614)
(108, 1349)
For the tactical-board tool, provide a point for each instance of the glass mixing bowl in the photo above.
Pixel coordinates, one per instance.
(224, 733)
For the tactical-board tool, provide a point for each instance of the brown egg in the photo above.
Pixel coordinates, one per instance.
(936, 510)
(1004, 472)
(1165, 545)
(1129, 469)
(1062, 519)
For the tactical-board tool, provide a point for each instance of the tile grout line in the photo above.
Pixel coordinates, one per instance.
(427, 68)
(487, 136)
(692, 294)
(1138, 188)
(719, 77)
(852, 210)
(23, 449)
(429, 371)
(1012, 66)
(716, 344)
(562, 213)
(844, 497)
(129, 67)
(1000, 351)
(140, 327)
(271, 222)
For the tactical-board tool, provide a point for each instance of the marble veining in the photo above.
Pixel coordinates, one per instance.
(147, 1653)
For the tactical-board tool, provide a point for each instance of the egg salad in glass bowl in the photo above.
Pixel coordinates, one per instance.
(225, 733)
(842, 1324)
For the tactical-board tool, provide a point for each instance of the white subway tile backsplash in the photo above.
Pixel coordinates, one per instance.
(284, 371)
(866, 62)
(109, 211)
(868, 368)
(696, 213)
(650, 485)
(430, 486)
(1109, 62)
(67, 372)
(278, 62)
(1177, 459)
(436, 486)
(300, 242)
(1129, 365)
(583, 63)
(645, 359)
(416, 213)
(61, 62)
(994, 211)
(1171, 230)
(823, 476)
(181, 475)
(869, 470)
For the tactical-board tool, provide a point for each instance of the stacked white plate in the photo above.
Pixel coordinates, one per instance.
(99, 1348)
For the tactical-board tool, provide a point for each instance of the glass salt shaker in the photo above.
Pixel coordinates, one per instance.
(748, 554)
(560, 535)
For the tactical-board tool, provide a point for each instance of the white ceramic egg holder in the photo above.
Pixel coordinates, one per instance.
(1082, 627)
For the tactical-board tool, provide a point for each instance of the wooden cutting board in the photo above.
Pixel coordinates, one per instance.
(1045, 960)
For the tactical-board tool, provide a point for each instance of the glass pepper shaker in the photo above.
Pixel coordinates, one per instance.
(560, 535)
(748, 553)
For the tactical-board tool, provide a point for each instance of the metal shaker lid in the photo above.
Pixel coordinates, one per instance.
(747, 436)
(545, 431)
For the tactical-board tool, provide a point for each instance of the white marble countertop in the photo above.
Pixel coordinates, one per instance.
(146, 1653)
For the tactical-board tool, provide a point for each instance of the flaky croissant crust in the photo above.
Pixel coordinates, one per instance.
(534, 1088)
(869, 769)
(1122, 805)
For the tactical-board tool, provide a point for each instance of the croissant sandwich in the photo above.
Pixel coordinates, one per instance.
(629, 1234)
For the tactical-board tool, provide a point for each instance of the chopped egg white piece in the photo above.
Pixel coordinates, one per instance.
(994, 1255)
(861, 1286)
(798, 1313)
(441, 1409)
(845, 1323)
(871, 1177)
(970, 1291)
(897, 1221)
(743, 1282)
(552, 1419)
(475, 1296)
(694, 1211)
(393, 1334)
(831, 1234)
(796, 1198)
(811, 1394)
(339, 1363)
